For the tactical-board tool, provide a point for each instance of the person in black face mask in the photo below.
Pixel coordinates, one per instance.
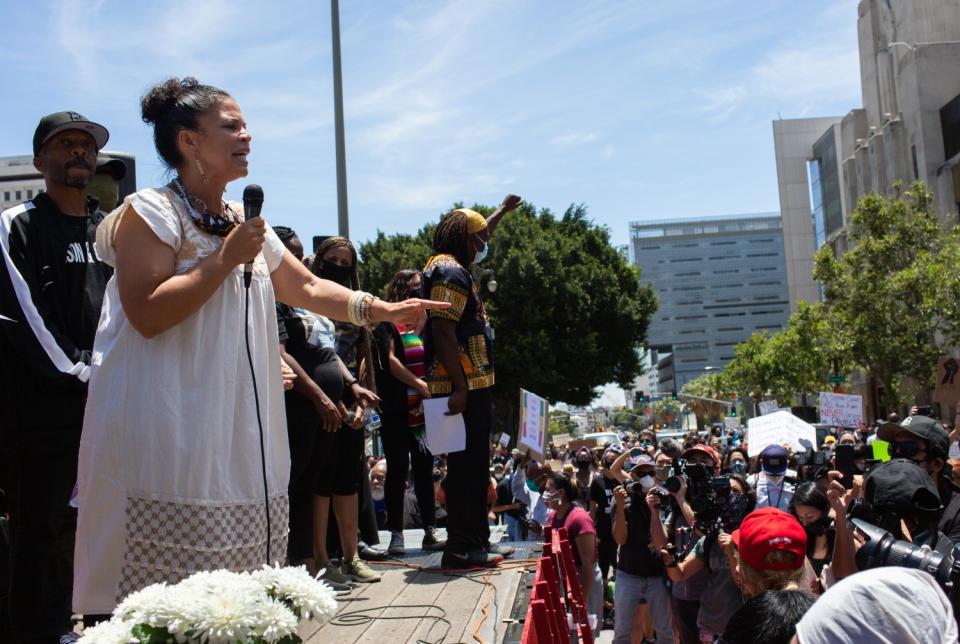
(812, 508)
(584, 475)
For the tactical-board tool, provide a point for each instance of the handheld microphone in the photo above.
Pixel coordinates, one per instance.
(252, 203)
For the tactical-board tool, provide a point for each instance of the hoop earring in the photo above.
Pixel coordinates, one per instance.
(203, 177)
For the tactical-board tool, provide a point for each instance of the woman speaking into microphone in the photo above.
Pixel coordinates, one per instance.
(184, 444)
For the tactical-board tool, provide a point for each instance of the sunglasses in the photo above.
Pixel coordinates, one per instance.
(904, 449)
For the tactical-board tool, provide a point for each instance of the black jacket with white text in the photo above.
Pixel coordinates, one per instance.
(51, 289)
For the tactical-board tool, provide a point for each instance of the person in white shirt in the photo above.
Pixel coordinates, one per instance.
(774, 483)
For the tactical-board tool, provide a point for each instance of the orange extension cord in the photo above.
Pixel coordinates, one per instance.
(514, 564)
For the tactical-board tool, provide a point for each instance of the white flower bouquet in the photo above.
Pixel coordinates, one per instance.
(219, 607)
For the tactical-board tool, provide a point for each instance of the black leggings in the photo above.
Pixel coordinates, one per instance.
(403, 451)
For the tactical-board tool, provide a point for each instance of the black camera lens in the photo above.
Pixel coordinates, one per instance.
(673, 484)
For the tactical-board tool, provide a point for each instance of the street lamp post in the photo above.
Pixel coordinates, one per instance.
(343, 219)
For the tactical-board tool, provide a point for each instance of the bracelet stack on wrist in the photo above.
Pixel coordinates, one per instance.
(358, 308)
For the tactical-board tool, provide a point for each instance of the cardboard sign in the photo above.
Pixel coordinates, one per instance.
(574, 446)
(841, 410)
(768, 407)
(948, 381)
(561, 439)
(731, 423)
(779, 428)
(533, 424)
(504, 440)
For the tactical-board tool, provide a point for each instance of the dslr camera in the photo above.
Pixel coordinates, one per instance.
(707, 494)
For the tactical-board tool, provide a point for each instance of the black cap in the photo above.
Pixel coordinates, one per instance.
(116, 168)
(938, 441)
(902, 487)
(59, 121)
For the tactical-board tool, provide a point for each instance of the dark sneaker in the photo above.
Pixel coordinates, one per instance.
(369, 553)
(430, 540)
(500, 549)
(396, 548)
(478, 558)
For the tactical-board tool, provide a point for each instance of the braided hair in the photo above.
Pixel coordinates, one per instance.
(284, 233)
(365, 359)
(452, 237)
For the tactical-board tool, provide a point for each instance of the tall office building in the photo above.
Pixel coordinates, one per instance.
(719, 279)
(907, 129)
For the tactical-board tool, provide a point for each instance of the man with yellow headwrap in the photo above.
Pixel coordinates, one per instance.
(459, 358)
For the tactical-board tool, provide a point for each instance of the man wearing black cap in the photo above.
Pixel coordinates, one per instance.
(925, 442)
(51, 290)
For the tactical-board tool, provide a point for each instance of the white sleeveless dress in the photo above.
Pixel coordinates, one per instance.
(170, 479)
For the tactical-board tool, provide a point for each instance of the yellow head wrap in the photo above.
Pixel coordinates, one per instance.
(475, 221)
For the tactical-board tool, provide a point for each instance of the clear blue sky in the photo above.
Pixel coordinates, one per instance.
(640, 110)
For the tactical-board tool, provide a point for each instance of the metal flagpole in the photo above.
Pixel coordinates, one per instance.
(343, 218)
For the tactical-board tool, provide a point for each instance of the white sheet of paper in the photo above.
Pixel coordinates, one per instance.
(445, 434)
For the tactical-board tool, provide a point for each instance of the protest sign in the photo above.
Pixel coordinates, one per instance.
(533, 424)
(504, 440)
(560, 439)
(589, 443)
(841, 410)
(731, 423)
(768, 407)
(947, 392)
(779, 428)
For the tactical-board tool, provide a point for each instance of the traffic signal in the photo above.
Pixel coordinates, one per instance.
(675, 396)
(733, 413)
(641, 397)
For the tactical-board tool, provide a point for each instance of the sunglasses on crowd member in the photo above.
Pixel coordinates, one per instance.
(904, 449)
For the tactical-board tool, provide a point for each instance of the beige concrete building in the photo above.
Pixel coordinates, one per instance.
(907, 129)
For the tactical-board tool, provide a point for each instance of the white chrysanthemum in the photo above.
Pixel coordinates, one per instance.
(229, 614)
(313, 599)
(146, 599)
(114, 631)
(214, 581)
(171, 607)
(276, 622)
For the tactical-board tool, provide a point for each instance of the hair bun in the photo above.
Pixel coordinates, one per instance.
(161, 97)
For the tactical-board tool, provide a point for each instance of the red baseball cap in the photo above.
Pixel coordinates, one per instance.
(767, 530)
(706, 449)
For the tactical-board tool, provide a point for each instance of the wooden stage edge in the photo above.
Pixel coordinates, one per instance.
(416, 602)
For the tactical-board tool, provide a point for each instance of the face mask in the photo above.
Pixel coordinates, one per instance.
(377, 493)
(532, 486)
(551, 498)
(773, 478)
(482, 253)
(336, 273)
(738, 467)
(736, 509)
(498, 477)
(583, 464)
(647, 482)
(663, 472)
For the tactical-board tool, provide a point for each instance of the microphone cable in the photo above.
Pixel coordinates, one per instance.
(256, 400)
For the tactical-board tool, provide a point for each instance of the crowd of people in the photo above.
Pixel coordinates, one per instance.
(694, 540)
(184, 388)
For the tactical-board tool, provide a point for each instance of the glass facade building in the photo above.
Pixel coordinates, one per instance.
(719, 279)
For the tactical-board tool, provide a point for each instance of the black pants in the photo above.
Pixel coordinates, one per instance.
(42, 474)
(403, 451)
(468, 478)
(308, 447)
(606, 553)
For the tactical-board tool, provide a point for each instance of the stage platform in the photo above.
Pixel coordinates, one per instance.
(418, 602)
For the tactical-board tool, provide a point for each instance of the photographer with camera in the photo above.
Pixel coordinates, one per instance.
(702, 462)
(925, 442)
(639, 569)
(712, 554)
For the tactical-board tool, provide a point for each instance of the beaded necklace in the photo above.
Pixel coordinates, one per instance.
(205, 219)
